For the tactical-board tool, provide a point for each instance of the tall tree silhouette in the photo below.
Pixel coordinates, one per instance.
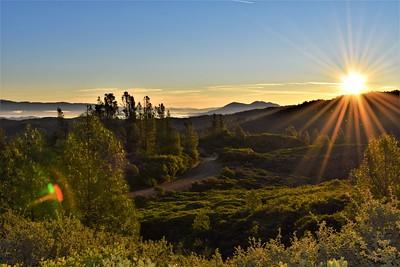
(62, 124)
(99, 108)
(129, 108)
(160, 109)
(148, 111)
(110, 106)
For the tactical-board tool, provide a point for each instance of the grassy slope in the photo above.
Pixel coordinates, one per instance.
(232, 222)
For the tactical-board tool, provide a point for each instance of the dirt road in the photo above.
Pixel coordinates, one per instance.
(208, 167)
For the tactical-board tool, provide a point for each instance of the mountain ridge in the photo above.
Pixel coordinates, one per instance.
(235, 107)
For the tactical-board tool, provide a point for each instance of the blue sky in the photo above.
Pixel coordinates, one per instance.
(196, 53)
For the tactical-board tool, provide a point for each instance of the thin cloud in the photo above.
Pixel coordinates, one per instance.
(243, 1)
(289, 92)
(262, 85)
(98, 89)
(115, 89)
(179, 92)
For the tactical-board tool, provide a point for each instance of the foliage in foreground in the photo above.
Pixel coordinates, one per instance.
(370, 239)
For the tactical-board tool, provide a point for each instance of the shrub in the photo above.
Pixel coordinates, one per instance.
(380, 169)
(163, 168)
(201, 222)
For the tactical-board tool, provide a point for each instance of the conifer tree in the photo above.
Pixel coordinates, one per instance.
(99, 108)
(191, 141)
(168, 139)
(129, 108)
(110, 106)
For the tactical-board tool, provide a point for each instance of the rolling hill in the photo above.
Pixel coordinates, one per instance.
(235, 107)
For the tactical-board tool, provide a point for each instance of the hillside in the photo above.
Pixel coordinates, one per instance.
(348, 114)
(235, 107)
(312, 116)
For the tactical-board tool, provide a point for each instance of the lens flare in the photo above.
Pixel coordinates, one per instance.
(54, 193)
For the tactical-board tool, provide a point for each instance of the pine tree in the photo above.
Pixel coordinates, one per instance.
(168, 139)
(161, 111)
(62, 125)
(217, 124)
(110, 106)
(191, 141)
(99, 108)
(148, 111)
(147, 136)
(129, 108)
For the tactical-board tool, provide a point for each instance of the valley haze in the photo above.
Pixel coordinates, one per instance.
(24, 109)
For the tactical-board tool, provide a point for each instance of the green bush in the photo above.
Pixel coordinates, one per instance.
(380, 169)
(158, 169)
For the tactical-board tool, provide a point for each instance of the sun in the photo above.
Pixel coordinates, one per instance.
(354, 83)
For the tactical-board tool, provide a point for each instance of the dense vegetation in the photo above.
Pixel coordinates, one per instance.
(276, 202)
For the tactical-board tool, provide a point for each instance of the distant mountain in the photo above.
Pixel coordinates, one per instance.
(7, 105)
(354, 117)
(235, 107)
(27, 110)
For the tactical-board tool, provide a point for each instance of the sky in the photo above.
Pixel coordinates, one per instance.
(196, 53)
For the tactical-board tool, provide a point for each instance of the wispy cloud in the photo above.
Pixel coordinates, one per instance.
(108, 89)
(264, 85)
(289, 92)
(181, 92)
(116, 89)
(244, 1)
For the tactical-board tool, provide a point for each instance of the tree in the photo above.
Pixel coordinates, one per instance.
(139, 109)
(191, 141)
(62, 125)
(160, 109)
(380, 168)
(2, 139)
(168, 139)
(23, 175)
(110, 106)
(147, 136)
(94, 163)
(217, 124)
(239, 133)
(305, 137)
(148, 111)
(291, 131)
(99, 108)
(129, 108)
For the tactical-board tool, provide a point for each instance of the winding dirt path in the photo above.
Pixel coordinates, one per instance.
(208, 167)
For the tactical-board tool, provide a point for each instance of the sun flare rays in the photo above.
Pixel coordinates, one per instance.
(354, 119)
